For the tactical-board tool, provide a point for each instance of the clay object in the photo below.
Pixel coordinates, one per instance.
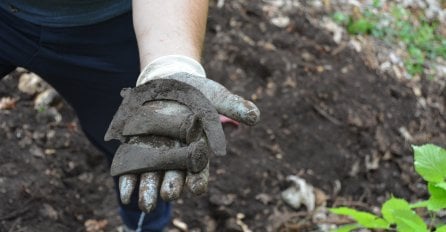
(134, 108)
(181, 125)
(134, 158)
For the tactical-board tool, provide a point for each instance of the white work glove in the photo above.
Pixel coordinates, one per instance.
(170, 183)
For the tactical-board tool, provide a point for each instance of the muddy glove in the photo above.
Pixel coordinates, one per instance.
(168, 126)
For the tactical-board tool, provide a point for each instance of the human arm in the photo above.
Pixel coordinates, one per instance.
(170, 37)
(174, 27)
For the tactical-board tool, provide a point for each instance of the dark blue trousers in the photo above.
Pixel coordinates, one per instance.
(88, 66)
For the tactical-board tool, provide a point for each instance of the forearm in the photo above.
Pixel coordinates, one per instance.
(172, 27)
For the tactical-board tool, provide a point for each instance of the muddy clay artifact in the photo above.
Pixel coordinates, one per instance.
(140, 125)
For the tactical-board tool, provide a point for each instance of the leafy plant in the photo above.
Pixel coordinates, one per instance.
(430, 163)
(398, 25)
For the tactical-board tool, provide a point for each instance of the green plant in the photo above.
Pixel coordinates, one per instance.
(398, 25)
(430, 163)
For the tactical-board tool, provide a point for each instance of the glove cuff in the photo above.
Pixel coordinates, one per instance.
(168, 65)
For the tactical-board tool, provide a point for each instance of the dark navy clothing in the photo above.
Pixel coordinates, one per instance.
(88, 65)
(63, 13)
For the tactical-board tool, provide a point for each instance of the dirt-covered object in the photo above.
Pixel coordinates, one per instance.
(170, 90)
(143, 157)
(131, 158)
(326, 118)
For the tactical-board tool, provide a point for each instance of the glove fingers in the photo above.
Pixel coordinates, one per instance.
(172, 185)
(127, 184)
(198, 182)
(239, 109)
(148, 190)
(225, 102)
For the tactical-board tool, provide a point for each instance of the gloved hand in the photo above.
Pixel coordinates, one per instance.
(168, 116)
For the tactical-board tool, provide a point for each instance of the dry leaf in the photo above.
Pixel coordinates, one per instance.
(92, 225)
(7, 103)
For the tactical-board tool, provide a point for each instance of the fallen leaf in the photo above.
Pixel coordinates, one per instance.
(92, 225)
(7, 103)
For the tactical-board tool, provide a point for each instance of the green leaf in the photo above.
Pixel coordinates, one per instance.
(430, 162)
(348, 228)
(416, 54)
(360, 26)
(391, 206)
(399, 12)
(441, 185)
(441, 228)
(419, 204)
(413, 67)
(437, 200)
(365, 219)
(408, 221)
(405, 31)
(377, 3)
(340, 18)
(424, 35)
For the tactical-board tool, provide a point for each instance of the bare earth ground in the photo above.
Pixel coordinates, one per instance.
(326, 117)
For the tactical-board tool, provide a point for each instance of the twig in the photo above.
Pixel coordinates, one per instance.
(339, 221)
(433, 217)
(327, 116)
(347, 202)
(339, 49)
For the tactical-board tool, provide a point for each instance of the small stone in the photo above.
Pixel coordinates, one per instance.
(281, 21)
(36, 151)
(307, 56)
(182, 226)
(45, 99)
(31, 84)
(300, 192)
(394, 58)
(385, 66)
(50, 151)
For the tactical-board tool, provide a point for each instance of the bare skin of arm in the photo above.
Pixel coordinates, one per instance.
(173, 27)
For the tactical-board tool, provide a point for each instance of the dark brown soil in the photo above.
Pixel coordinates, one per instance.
(326, 117)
